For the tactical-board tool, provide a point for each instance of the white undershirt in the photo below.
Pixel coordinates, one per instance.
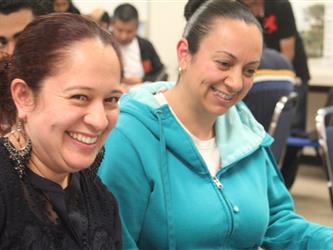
(207, 148)
(132, 59)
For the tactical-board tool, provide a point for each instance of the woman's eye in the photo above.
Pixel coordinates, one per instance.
(80, 97)
(3, 42)
(250, 72)
(223, 64)
(113, 100)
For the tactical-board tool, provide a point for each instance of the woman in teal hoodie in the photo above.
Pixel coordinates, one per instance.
(190, 166)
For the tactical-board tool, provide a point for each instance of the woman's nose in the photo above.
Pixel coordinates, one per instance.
(97, 117)
(234, 80)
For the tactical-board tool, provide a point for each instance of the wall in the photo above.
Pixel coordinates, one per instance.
(165, 28)
(86, 6)
(320, 67)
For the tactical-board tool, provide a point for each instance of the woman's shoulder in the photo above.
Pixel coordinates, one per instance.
(95, 188)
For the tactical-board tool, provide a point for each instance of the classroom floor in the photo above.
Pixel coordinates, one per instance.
(311, 195)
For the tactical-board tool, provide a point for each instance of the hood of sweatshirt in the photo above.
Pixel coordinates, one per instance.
(238, 134)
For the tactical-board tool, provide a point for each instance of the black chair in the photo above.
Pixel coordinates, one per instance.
(263, 97)
(324, 126)
(272, 104)
(280, 124)
(296, 142)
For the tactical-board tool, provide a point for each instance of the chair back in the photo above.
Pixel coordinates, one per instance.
(263, 96)
(280, 125)
(324, 126)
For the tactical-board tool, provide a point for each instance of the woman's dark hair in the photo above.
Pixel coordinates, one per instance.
(40, 52)
(200, 15)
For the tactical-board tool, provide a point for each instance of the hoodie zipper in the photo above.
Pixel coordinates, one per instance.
(217, 183)
(228, 204)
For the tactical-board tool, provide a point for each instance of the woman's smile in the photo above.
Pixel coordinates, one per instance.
(223, 95)
(83, 138)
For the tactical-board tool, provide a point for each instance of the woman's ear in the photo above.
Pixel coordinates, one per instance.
(183, 54)
(23, 97)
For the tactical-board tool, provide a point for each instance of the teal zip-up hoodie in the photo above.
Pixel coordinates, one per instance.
(168, 199)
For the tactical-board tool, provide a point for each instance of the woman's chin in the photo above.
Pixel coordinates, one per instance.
(80, 164)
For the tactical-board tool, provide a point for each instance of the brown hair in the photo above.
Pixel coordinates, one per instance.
(40, 52)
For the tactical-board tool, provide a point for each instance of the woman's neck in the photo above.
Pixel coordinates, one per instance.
(196, 120)
(40, 169)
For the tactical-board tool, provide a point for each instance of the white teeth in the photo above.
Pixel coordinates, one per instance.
(221, 94)
(83, 138)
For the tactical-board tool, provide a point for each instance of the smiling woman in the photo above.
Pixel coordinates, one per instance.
(59, 100)
(190, 166)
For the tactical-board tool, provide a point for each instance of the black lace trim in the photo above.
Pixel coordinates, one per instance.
(20, 157)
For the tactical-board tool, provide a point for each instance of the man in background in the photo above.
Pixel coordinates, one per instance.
(140, 60)
(14, 16)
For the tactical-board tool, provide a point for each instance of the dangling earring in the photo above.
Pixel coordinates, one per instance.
(21, 155)
(97, 162)
(180, 69)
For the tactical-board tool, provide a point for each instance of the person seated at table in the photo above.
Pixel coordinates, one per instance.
(140, 59)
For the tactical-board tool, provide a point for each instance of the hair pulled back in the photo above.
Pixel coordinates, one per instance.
(40, 51)
(200, 15)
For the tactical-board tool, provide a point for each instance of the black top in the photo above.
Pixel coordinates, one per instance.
(278, 23)
(152, 65)
(36, 213)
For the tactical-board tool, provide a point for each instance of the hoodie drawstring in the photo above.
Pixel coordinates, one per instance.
(166, 185)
